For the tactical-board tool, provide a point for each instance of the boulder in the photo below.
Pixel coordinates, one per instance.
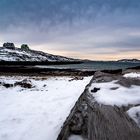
(24, 83)
(24, 47)
(9, 46)
(91, 120)
(7, 85)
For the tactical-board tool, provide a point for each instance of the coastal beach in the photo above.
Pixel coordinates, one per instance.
(46, 104)
(69, 69)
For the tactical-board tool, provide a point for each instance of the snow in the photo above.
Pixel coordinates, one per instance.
(15, 51)
(37, 113)
(31, 55)
(132, 75)
(75, 137)
(121, 96)
(18, 54)
(134, 113)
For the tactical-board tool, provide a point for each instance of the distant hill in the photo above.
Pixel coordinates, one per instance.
(129, 60)
(10, 53)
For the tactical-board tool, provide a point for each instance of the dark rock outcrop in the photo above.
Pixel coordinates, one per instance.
(95, 89)
(9, 46)
(24, 84)
(7, 85)
(25, 47)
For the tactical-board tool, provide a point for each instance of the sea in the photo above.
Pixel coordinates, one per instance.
(95, 65)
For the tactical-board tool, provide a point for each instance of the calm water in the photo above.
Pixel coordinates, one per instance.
(95, 66)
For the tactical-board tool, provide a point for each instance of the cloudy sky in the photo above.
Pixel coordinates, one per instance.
(88, 29)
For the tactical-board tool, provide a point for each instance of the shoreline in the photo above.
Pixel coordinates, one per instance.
(85, 113)
(36, 71)
(33, 63)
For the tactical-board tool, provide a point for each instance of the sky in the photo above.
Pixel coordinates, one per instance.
(86, 29)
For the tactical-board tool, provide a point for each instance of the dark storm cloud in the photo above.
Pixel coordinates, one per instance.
(85, 26)
(58, 11)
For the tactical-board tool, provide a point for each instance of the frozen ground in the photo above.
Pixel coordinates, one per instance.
(111, 93)
(120, 96)
(39, 112)
(132, 75)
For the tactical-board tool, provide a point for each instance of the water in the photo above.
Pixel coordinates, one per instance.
(95, 65)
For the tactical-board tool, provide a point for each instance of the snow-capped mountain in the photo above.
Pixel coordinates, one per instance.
(17, 54)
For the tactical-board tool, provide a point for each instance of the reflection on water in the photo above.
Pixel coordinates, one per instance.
(95, 65)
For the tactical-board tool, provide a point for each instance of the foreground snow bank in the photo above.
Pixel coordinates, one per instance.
(37, 113)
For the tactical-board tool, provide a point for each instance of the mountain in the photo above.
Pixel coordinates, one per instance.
(129, 60)
(11, 53)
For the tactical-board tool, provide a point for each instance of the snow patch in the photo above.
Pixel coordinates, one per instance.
(134, 113)
(132, 75)
(75, 137)
(119, 97)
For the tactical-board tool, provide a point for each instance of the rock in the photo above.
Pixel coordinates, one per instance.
(76, 78)
(9, 46)
(128, 82)
(25, 47)
(7, 85)
(25, 83)
(44, 85)
(95, 89)
(76, 123)
(94, 121)
(114, 88)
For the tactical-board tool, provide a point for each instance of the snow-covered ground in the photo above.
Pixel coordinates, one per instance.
(39, 112)
(31, 55)
(132, 75)
(120, 96)
(111, 93)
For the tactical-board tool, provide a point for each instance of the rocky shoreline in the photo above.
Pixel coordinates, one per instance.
(89, 120)
(36, 71)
